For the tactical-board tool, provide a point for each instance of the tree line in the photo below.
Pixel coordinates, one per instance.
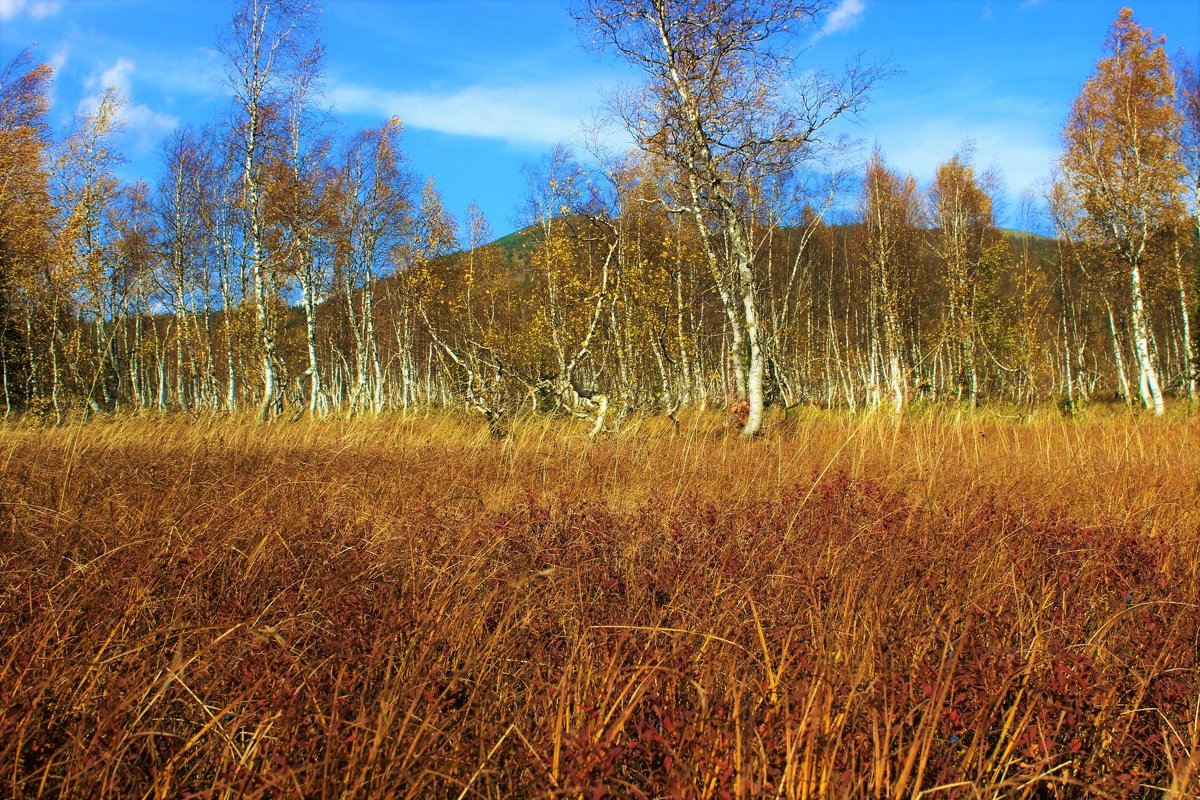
(737, 256)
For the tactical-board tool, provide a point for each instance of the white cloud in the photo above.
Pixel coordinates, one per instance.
(1024, 154)
(58, 62)
(58, 59)
(116, 76)
(37, 9)
(143, 126)
(147, 127)
(843, 18)
(40, 9)
(523, 115)
(197, 74)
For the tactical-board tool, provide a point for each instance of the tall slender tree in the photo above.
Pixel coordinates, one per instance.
(85, 186)
(890, 206)
(1122, 158)
(970, 248)
(270, 46)
(375, 214)
(726, 105)
(25, 222)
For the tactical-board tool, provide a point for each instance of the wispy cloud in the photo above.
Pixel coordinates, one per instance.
(521, 115)
(144, 127)
(193, 75)
(58, 62)
(117, 76)
(843, 18)
(59, 58)
(1024, 154)
(37, 9)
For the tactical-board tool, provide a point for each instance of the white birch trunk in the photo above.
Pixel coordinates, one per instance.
(1151, 393)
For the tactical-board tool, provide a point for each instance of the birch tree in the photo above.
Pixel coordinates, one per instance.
(85, 186)
(1189, 111)
(969, 247)
(182, 217)
(726, 105)
(299, 212)
(374, 217)
(1122, 159)
(25, 212)
(889, 207)
(270, 46)
(134, 258)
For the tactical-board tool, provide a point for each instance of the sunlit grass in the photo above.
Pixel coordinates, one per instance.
(853, 605)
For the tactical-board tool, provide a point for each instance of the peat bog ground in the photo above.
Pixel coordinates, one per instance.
(849, 606)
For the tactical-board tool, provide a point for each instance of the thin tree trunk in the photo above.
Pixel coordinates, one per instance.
(1148, 377)
(1118, 358)
(1189, 358)
(318, 401)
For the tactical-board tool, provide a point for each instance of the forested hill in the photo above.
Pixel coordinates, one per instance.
(519, 245)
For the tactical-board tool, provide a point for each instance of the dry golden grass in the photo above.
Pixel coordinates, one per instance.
(848, 607)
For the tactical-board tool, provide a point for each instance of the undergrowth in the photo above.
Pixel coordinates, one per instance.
(848, 607)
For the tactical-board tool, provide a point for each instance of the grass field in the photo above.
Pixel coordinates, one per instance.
(847, 607)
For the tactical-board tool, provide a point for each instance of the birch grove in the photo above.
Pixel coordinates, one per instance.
(732, 259)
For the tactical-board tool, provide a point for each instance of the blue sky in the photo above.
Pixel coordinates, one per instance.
(485, 86)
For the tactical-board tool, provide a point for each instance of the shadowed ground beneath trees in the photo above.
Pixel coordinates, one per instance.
(849, 607)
